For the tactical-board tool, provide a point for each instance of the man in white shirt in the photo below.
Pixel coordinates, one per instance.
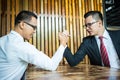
(15, 53)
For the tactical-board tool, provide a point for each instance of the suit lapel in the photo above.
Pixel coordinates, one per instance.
(95, 46)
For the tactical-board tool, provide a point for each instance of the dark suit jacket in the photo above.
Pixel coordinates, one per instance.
(89, 47)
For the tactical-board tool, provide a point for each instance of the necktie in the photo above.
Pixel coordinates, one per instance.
(104, 53)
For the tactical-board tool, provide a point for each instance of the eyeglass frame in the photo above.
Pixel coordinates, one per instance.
(90, 24)
(34, 27)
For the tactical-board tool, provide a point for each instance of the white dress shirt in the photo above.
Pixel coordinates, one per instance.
(15, 54)
(112, 54)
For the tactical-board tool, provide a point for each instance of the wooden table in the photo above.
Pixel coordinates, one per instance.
(80, 72)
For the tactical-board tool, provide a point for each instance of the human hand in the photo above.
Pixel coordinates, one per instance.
(63, 37)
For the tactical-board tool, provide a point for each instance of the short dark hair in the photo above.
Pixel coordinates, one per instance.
(97, 15)
(24, 16)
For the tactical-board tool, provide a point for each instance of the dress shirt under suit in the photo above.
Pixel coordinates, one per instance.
(89, 47)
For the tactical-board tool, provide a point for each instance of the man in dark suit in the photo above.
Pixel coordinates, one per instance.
(91, 44)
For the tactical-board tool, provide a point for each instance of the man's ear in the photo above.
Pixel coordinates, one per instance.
(100, 22)
(21, 25)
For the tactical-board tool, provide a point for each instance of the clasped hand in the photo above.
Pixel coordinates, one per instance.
(63, 37)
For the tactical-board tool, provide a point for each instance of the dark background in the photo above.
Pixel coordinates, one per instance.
(112, 13)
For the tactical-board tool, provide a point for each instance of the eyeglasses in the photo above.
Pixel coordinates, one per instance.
(90, 24)
(34, 27)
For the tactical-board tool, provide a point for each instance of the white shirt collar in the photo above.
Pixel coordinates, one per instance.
(18, 36)
(105, 35)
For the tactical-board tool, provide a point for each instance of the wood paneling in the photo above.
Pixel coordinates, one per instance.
(54, 16)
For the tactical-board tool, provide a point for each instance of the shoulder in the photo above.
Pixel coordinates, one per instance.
(115, 34)
(114, 31)
(88, 40)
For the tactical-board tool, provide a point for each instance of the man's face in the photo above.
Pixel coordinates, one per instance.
(92, 26)
(29, 28)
